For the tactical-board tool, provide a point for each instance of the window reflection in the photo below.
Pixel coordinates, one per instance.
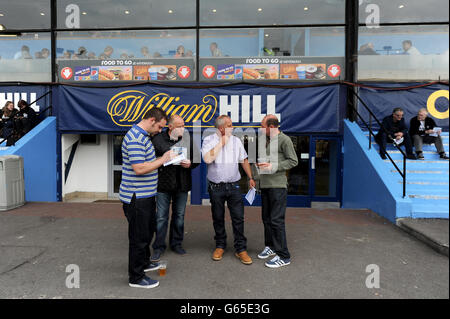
(104, 45)
(25, 58)
(131, 13)
(265, 12)
(272, 42)
(404, 53)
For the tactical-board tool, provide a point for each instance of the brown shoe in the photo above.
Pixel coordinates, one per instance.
(244, 257)
(217, 254)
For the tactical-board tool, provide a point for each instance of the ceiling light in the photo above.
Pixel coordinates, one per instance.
(2, 15)
(306, 8)
(127, 12)
(267, 35)
(2, 27)
(84, 13)
(401, 6)
(214, 10)
(42, 14)
(259, 9)
(170, 11)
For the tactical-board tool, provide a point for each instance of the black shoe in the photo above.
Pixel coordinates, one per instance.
(156, 256)
(179, 250)
(383, 156)
(411, 157)
(443, 156)
(420, 156)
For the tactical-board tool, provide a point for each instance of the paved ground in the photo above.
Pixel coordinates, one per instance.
(330, 249)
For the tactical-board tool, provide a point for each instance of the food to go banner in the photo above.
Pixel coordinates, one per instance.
(94, 109)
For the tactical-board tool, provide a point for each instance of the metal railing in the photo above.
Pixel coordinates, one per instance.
(369, 127)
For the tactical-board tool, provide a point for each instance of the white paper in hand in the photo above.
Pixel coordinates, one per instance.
(250, 197)
(399, 141)
(176, 160)
(436, 130)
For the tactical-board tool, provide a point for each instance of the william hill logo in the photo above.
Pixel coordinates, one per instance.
(129, 107)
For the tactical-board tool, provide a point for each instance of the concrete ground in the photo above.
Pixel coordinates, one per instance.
(331, 250)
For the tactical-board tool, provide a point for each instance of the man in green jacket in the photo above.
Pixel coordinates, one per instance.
(279, 157)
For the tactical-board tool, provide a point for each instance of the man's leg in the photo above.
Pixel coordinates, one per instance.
(266, 216)
(217, 198)
(236, 207)
(439, 145)
(408, 144)
(278, 198)
(162, 220)
(139, 232)
(176, 233)
(381, 138)
(418, 143)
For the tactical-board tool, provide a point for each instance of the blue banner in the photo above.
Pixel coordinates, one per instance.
(94, 109)
(29, 93)
(435, 98)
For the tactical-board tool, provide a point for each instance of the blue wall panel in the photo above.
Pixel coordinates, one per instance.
(38, 149)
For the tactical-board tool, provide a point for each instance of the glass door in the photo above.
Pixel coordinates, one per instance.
(325, 169)
(116, 165)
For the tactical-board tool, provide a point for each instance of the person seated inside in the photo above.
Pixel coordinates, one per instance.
(7, 125)
(421, 129)
(26, 118)
(395, 131)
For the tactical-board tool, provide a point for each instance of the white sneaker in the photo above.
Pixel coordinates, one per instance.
(277, 262)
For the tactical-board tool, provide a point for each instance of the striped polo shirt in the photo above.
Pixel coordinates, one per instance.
(137, 148)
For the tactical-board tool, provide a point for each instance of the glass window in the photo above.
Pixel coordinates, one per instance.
(25, 57)
(401, 11)
(275, 53)
(403, 53)
(132, 13)
(265, 12)
(25, 14)
(126, 55)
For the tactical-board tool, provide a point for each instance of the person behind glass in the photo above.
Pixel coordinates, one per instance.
(420, 128)
(222, 152)
(26, 118)
(395, 130)
(174, 183)
(214, 48)
(7, 123)
(409, 49)
(145, 53)
(180, 52)
(278, 157)
(137, 192)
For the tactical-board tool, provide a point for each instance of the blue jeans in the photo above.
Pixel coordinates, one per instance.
(176, 232)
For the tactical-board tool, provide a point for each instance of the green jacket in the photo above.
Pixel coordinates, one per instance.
(283, 160)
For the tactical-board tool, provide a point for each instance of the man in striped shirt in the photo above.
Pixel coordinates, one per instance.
(137, 192)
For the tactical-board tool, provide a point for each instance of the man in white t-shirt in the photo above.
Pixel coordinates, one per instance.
(223, 153)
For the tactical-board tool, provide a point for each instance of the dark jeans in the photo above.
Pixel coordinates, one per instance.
(382, 139)
(231, 194)
(273, 215)
(140, 214)
(176, 232)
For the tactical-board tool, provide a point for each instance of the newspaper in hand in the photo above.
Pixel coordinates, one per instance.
(436, 131)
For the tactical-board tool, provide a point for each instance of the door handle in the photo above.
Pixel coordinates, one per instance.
(313, 162)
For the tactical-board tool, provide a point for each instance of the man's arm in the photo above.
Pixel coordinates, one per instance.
(147, 167)
(211, 155)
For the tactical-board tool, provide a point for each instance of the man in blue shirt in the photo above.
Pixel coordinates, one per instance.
(137, 192)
